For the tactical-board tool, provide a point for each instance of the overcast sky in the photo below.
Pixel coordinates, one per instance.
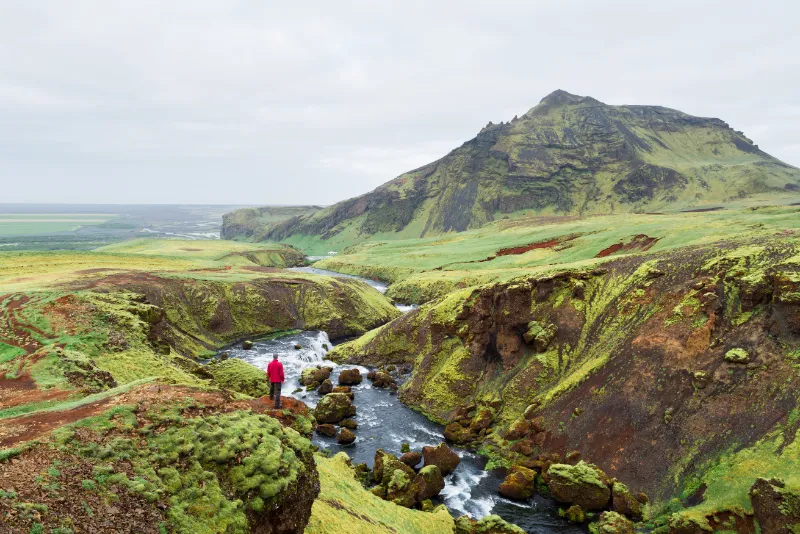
(230, 101)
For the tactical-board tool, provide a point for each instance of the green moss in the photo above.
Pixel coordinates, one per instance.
(344, 507)
(240, 376)
(253, 457)
(580, 474)
(737, 355)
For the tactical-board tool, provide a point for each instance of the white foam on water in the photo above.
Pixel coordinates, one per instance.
(428, 431)
(457, 492)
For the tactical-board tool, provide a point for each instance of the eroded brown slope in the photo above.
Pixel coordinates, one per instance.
(635, 377)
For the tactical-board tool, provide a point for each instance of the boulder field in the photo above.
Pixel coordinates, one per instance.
(674, 373)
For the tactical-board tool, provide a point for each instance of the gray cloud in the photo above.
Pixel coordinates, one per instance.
(246, 102)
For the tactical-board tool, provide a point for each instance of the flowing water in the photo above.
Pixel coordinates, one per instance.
(385, 423)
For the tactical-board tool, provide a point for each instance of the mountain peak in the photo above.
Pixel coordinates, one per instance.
(559, 96)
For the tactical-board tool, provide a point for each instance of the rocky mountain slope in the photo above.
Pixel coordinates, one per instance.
(568, 155)
(675, 371)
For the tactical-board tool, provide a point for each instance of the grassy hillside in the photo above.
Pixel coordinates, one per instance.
(569, 155)
(74, 324)
(254, 223)
(421, 269)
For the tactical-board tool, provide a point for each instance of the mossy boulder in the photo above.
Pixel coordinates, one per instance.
(385, 464)
(326, 430)
(737, 355)
(325, 387)
(334, 407)
(247, 345)
(311, 375)
(519, 483)
(490, 524)
(442, 457)
(612, 523)
(345, 436)
(458, 434)
(411, 458)
(351, 424)
(582, 484)
(380, 379)
(350, 377)
(428, 483)
(240, 376)
(518, 429)
(400, 490)
(540, 335)
(623, 502)
(574, 513)
(482, 420)
(776, 507)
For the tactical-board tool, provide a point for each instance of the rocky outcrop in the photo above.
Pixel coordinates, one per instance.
(777, 509)
(582, 484)
(267, 469)
(397, 481)
(334, 407)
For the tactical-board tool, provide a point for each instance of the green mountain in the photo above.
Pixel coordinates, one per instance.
(569, 155)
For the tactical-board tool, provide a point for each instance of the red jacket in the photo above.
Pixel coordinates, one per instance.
(275, 371)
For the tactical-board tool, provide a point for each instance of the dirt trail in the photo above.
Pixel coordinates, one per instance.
(16, 430)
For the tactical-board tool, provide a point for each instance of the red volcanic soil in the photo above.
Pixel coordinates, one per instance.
(639, 243)
(525, 248)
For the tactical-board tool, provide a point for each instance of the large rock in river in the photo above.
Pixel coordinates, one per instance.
(582, 484)
(411, 458)
(311, 375)
(428, 482)
(350, 377)
(613, 523)
(442, 457)
(519, 484)
(334, 407)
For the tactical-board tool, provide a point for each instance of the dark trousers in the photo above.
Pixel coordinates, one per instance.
(275, 393)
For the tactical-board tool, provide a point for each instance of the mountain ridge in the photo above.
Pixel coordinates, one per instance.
(568, 155)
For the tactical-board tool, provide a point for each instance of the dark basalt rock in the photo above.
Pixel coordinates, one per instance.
(442, 457)
(326, 430)
(411, 459)
(350, 377)
(326, 387)
(345, 436)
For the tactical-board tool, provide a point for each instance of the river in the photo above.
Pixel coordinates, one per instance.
(385, 423)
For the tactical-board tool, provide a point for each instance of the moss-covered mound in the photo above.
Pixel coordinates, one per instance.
(635, 377)
(240, 376)
(165, 468)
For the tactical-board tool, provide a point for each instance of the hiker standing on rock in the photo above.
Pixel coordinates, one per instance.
(275, 377)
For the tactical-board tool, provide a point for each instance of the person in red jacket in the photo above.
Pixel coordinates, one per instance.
(275, 377)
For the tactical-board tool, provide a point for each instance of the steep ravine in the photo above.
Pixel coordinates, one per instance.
(687, 356)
